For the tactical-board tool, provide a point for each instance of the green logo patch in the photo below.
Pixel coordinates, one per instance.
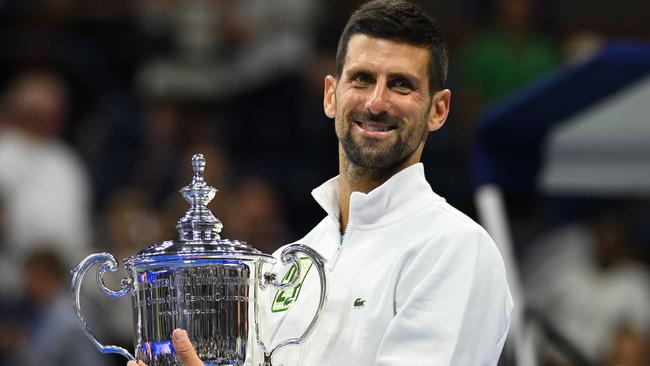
(283, 299)
(359, 303)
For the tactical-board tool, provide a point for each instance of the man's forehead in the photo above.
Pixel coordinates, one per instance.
(368, 51)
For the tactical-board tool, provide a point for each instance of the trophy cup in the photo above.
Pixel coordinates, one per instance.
(217, 289)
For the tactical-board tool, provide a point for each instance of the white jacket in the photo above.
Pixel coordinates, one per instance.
(412, 282)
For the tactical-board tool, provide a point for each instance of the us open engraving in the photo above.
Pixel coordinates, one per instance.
(211, 302)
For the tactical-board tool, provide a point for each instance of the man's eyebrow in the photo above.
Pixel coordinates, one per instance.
(402, 75)
(357, 70)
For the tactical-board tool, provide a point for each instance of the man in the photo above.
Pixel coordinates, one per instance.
(412, 280)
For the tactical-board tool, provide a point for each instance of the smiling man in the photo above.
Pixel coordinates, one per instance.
(412, 281)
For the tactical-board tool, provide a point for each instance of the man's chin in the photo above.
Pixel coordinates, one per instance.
(377, 160)
(371, 153)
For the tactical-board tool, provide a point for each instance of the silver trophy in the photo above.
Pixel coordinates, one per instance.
(217, 289)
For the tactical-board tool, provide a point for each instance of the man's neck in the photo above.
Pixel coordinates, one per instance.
(353, 178)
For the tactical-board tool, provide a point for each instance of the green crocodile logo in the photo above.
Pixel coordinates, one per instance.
(359, 303)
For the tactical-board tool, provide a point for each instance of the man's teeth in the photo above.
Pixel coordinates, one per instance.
(378, 128)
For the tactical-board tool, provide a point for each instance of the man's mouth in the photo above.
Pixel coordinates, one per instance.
(375, 126)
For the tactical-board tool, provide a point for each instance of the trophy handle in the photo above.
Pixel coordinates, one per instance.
(109, 264)
(289, 256)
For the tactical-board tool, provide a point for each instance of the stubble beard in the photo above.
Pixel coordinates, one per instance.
(370, 155)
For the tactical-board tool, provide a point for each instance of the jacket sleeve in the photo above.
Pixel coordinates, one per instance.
(452, 304)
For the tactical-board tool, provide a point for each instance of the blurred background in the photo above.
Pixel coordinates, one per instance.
(103, 103)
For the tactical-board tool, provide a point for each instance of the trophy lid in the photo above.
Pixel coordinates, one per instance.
(198, 230)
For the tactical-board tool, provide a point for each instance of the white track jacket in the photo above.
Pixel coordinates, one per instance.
(412, 282)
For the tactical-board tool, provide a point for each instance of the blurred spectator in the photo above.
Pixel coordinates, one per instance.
(270, 39)
(42, 180)
(12, 331)
(630, 349)
(581, 46)
(10, 325)
(51, 334)
(224, 48)
(622, 19)
(129, 224)
(504, 56)
(156, 161)
(586, 282)
(256, 216)
(8, 277)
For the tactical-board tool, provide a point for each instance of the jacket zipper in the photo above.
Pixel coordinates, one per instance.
(342, 240)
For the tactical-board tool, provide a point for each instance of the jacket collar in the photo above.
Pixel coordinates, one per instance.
(400, 195)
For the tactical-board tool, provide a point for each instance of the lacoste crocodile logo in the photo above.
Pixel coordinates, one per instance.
(359, 303)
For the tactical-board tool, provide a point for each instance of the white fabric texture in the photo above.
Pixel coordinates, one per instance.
(414, 282)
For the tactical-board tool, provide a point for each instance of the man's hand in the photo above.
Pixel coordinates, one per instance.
(183, 348)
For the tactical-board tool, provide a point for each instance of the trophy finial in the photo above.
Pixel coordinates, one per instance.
(198, 192)
(198, 223)
(198, 164)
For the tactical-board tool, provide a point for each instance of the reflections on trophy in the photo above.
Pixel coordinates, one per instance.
(211, 302)
(217, 289)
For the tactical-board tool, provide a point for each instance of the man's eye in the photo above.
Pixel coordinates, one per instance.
(362, 78)
(402, 84)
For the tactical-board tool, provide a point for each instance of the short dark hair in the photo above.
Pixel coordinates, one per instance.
(402, 21)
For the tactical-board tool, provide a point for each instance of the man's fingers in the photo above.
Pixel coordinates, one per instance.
(133, 363)
(184, 348)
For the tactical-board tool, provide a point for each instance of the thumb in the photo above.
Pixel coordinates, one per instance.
(134, 363)
(184, 349)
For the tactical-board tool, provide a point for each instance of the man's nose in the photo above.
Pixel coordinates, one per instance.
(379, 99)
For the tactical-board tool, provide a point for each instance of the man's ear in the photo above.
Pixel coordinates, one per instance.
(329, 99)
(440, 103)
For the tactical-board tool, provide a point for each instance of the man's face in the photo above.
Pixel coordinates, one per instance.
(382, 105)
